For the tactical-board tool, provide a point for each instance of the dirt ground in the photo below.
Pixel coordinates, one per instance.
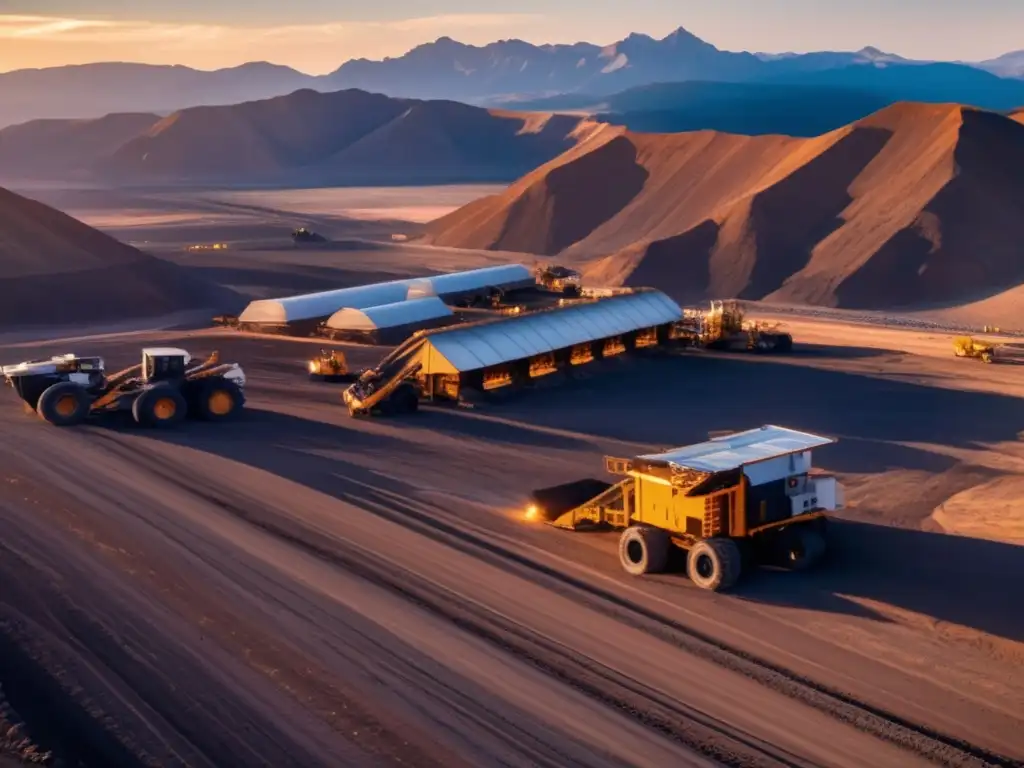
(301, 588)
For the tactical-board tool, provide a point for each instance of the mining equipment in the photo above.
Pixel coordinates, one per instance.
(967, 346)
(723, 327)
(559, 279)
(732, 502)
(160, 391)
(331, 366)
(387, 390)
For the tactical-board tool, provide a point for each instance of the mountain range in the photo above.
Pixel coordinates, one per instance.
(307, 138)
(501, 72)
(915, 205)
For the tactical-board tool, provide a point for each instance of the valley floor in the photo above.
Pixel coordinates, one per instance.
(300, 588)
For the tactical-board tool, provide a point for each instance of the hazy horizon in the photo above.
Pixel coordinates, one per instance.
(317, 36)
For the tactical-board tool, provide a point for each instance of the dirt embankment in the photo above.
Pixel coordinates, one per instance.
(918, 205)
(57, 271)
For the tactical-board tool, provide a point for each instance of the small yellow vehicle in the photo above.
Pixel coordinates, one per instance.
(967, 346)
(330, 366)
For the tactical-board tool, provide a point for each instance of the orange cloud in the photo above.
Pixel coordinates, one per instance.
(42, 41)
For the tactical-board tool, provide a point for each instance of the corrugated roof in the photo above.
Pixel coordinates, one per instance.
(502, 276)
(389, 315)
(479, 345)
(314, 305)
(733, 451)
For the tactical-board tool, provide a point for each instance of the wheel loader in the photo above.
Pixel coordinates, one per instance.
(967, 346)
(331, 366)
(733, 502)
(161, 391)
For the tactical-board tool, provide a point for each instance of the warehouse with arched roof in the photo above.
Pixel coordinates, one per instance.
(310, 308)
(306, 311)
(388, 323)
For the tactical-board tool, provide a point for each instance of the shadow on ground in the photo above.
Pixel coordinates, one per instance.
(665, 402)
(956, 579)
(672, 401)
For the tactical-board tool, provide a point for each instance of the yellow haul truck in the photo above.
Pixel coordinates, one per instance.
(737, 500)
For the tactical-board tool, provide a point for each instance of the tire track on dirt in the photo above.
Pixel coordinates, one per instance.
(939, 748)
(667, 718)
(926, 742)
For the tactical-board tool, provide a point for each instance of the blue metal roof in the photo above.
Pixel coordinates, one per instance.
(390, 315)
(325, 303)
(481, 345)
(737, 450)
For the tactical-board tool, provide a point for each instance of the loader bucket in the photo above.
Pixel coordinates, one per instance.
(548, 504)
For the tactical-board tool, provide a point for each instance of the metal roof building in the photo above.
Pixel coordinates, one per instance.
(316, 306)
(388, 323)
(449, 363)
(489, 343)
(455, 285)
(311, 308)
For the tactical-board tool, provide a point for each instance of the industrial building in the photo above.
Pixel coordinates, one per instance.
(474, 285)
(514, 349)
(303, 314)
(388, 324)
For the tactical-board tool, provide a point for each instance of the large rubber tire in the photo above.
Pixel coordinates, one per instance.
(784, 343)
(805, 547)
(643, 549)
(63, 404)
(406, 399)
(714, 564)
(218, 400)
(160, 406)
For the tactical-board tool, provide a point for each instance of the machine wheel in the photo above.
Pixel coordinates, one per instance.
(63, 404)
(784, 343)
(714, 564)
(219, 399)
(160, 406)
(805, 547)
(644, 550)
(403, 400)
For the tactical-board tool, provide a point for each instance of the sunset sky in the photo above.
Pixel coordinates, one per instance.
(317, 35)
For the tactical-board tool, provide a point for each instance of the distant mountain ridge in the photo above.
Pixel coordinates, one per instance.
(444, 69)
(307, 137)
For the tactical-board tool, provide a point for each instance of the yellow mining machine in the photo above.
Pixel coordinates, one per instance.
(967, 346)
(331, 366)
(736, 500)
(559, 279)
(160, 391)
(723, 326)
